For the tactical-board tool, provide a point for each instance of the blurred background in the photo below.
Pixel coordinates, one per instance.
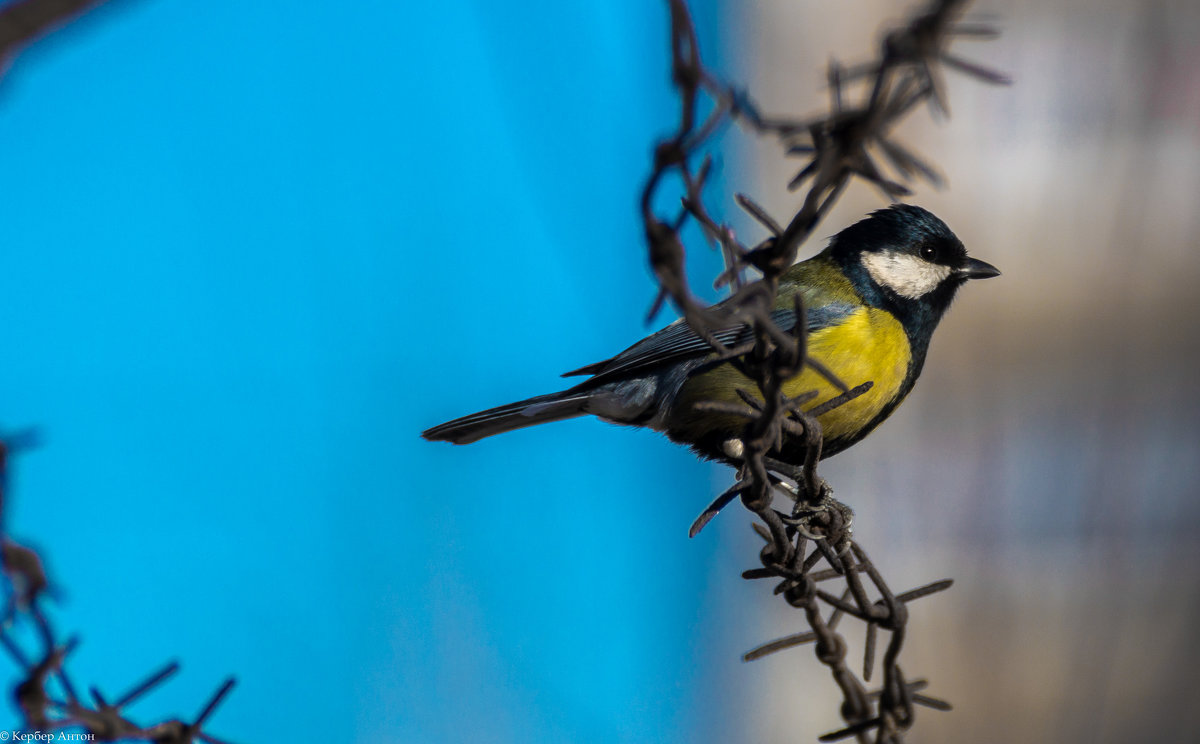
(251, 250)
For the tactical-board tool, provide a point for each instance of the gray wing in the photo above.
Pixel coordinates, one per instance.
(678, 342)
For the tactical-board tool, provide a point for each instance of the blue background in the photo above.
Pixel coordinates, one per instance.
(250, 250)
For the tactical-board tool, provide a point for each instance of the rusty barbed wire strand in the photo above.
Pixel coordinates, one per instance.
(25, 21)
(845, 143)
(45, 695)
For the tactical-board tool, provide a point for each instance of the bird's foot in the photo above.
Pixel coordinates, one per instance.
(798, 489)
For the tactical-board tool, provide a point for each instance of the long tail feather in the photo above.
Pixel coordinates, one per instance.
(539, 410)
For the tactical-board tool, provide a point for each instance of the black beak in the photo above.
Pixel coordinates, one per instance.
(976, 269)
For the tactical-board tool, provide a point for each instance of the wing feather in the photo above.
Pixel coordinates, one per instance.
(678, 342)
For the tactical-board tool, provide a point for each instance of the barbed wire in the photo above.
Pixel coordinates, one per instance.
(24, 21)
(45, 694)
(842, 144)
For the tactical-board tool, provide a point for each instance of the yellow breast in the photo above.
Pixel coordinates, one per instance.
(869, 345)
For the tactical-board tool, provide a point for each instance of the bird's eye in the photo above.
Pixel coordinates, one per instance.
(929, 253)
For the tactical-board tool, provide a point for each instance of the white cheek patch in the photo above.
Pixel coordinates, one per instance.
(905, 274)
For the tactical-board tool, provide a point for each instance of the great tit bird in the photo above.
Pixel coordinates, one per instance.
(873, 298)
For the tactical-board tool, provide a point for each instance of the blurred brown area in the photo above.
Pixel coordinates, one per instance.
(1049, 458)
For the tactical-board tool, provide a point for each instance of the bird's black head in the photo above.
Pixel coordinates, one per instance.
(906, 260)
